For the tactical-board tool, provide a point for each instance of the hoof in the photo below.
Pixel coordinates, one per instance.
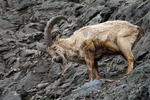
(107, 80)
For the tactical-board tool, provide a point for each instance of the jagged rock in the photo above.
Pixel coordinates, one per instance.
(42, 85)
(89, 2)
(143, 94)
(2, 67)
(7, 45)
(19, 19)
(30, 81)
(146, 22)
(12, 95)
(86, 89)
(138, 73)
(41, 46)
(29, 52)
(22, 3)
(42, 66)
(142, 48)
(4, 49)
(33, 28)
(28, 29)
(87, 16)
(4, 24)
(4, 83)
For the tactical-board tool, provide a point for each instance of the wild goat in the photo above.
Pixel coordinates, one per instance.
(89, 43)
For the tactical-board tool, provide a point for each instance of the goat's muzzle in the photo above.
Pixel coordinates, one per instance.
(58, 59)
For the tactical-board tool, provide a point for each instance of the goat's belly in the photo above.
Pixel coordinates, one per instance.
(77, 59)
(103, 51)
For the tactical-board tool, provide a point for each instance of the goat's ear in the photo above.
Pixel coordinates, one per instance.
(58, 37)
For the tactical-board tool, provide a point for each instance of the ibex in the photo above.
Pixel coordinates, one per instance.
(89, 43)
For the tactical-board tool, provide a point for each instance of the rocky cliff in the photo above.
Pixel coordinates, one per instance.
(27, 73)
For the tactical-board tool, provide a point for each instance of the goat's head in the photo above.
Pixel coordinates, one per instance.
(53, 48)
(56, 52)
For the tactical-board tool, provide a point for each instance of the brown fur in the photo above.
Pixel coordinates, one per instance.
(89, 43)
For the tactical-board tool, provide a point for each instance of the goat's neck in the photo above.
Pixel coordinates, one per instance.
(70, 49)
(67, 44)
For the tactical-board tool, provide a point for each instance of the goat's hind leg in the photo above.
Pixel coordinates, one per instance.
(125, 48)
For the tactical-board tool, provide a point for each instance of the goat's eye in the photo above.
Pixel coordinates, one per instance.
(55, 48)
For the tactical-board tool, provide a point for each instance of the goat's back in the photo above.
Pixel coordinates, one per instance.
(107, 31)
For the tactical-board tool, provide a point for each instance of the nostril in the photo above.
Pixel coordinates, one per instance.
(54, 59)
(59, 60)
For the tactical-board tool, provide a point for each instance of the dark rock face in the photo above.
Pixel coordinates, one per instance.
(27, 72)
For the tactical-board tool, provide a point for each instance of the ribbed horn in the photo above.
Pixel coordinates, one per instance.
(49, 27)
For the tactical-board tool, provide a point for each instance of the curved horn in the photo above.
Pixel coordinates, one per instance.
(49, 26)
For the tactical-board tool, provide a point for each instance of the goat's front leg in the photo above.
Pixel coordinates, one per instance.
(88, 50)
(95, 71)
(90, 67)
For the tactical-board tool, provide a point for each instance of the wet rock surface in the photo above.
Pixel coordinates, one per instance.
(27, 73)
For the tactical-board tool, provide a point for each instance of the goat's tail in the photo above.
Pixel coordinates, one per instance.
(141, 31)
